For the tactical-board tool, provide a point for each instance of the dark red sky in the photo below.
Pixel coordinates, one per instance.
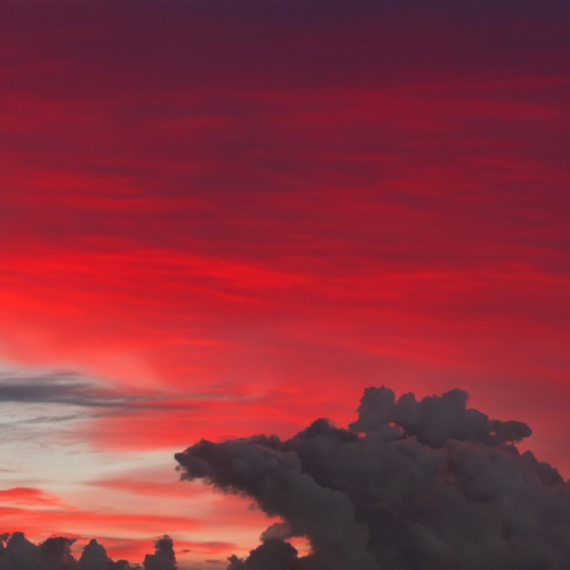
(248, 212)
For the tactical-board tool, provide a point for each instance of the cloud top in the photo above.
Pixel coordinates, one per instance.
(435, 419)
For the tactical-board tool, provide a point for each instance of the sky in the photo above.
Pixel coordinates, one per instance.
(227, 218)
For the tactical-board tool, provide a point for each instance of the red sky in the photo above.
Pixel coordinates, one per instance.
(233, 217)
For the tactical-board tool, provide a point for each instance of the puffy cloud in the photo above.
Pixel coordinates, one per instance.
(55, 554)
(262, 469)
(273, 553)
(412, 485)
(435, 419)
(163, 557)
(61, 387)
(21, 554)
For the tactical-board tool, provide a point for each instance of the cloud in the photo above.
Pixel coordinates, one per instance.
(413, 485)
(57, 388)
(71, 389)
(163, 558)
(435, 419)
(18, 553)
(93, 557)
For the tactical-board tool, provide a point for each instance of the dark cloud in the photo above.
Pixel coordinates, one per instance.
(273, 553)
(94, 557)
(435, 419)
(163, 557)
(57, 388)
(71, 389)
(56, 553)
(18, 553)
(413, 485)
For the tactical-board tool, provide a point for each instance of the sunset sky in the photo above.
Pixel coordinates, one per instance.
(219, 219)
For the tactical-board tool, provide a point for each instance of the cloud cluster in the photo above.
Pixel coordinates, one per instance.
(18, 553)
(412, 485)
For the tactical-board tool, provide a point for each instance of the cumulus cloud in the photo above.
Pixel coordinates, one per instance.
(34, 403)
(435, 419)
(18, 553)
(412, 485)
(163, 557)
(94, 557)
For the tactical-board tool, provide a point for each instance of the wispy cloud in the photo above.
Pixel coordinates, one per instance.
(62, 387)
(67, 388)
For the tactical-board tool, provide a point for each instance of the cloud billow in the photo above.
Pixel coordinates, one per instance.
(412, 485)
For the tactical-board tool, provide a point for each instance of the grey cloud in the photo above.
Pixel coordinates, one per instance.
(71, 389)
(94, 557)
(435, 419)
(273, 553)
(58, 388)
(163, 557)
(262, 469)
(413, 485)
(18, 553)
